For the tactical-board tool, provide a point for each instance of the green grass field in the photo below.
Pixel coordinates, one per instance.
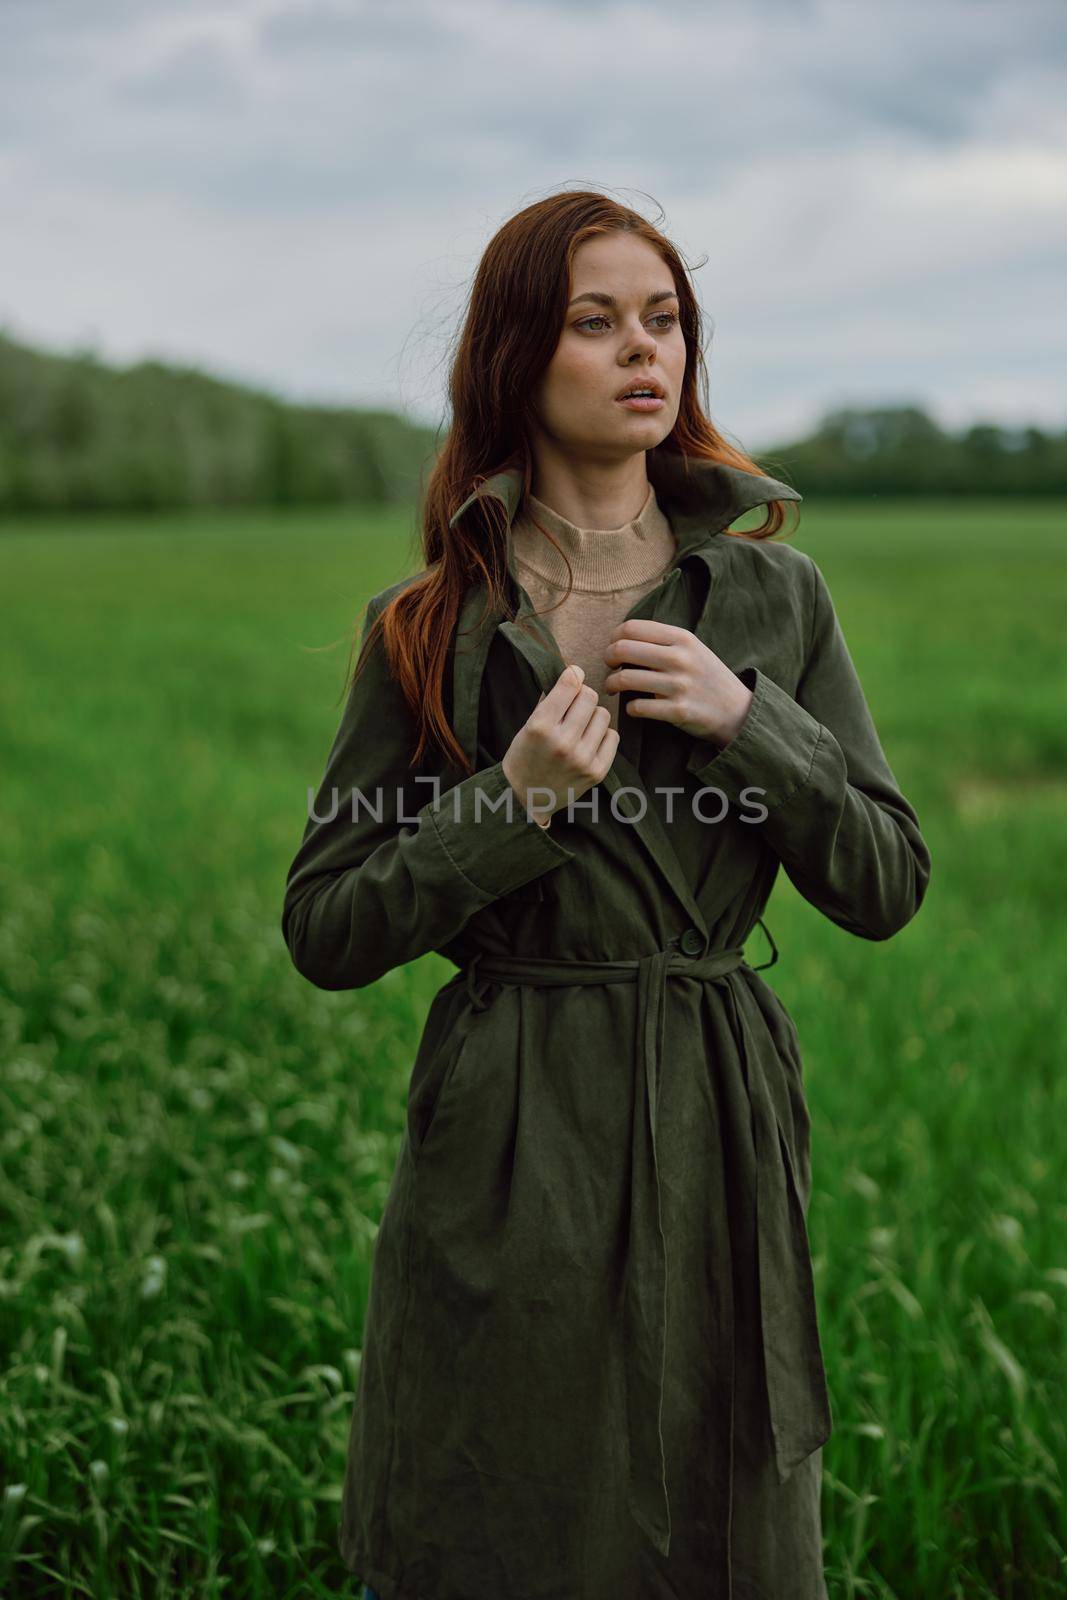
(196, 1143)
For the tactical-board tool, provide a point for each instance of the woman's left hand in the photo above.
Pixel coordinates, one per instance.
(686, 683)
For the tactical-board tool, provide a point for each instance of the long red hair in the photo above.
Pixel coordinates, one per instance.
(515, 315)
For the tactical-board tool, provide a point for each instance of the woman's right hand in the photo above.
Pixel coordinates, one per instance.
(565, 746)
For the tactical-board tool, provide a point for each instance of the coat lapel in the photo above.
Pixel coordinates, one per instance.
(547, 664)
(700, 499)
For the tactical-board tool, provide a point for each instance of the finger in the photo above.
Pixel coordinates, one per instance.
(562, 692)
(606, 750)
(636, 678)
(663, 709)
(579, 713)
(593, 737)
(596, 749)
(648, 628)
(643, 651)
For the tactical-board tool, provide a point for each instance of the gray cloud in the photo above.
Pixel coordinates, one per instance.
(319, 30)
(298, 193)
(198, 76)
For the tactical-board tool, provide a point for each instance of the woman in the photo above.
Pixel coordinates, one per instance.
(591, 1364)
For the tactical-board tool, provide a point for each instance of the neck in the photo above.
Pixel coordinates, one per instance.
(600, 560)
(593, 496)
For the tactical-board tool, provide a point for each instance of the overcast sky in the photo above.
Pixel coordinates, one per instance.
(295, 193)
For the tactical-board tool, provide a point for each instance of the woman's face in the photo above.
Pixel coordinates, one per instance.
(604, 347)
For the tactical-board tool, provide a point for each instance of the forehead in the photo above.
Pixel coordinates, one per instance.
(620, 264)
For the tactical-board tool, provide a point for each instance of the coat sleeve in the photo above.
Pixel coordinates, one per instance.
(389, 866)
(835, 816)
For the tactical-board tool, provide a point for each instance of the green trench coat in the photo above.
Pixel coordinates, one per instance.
(591, 1365)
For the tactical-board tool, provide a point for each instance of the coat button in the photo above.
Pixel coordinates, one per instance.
(692, 942)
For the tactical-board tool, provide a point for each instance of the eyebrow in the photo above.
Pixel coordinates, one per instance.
(602, 299)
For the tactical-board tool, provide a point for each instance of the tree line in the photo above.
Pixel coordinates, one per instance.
(900, 450)
(78, 434)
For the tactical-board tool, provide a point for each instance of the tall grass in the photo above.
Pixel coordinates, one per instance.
(195, 1144)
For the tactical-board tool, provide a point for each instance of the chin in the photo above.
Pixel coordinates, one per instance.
(650, 430)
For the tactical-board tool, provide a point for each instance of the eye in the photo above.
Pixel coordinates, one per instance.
(669, 318)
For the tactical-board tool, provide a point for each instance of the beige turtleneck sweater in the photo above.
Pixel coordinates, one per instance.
(612, 568)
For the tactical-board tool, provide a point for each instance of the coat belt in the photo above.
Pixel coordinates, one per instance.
(794, 1376)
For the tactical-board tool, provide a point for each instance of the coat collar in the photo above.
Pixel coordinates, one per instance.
(700, 497)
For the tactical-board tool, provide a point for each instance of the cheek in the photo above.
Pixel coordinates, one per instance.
(573, 374)
(673, 358)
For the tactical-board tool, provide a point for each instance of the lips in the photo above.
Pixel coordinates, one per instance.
(652, 384)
